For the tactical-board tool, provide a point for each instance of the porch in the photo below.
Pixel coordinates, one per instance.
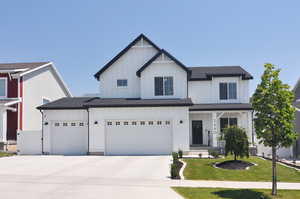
(206, 125)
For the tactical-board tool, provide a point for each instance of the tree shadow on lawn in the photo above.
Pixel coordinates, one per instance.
(241, 194)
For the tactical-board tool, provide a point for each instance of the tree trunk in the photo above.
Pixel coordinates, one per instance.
(274, 174)
(234, 157)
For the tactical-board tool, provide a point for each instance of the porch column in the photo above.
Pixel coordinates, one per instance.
(3, 128)
(214, 130)
(249, 116)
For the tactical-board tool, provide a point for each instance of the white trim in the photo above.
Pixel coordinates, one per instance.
(13, 70)
(63, 84)
(45, 98)
(17, 100)
(6, 86)
(19, 113)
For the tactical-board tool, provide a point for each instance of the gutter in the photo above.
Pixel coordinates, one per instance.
(88, 123)
(42, 132)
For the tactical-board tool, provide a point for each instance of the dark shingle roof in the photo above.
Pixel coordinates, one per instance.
(227, 106)
(29, 65)
(207, 72)
(86, 102)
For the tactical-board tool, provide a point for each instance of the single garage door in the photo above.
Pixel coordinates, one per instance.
(69, 138)
(136, 137)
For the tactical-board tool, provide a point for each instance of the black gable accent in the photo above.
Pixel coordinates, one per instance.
(162, 51)
(97, 75)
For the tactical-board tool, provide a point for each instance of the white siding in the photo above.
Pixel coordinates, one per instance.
(125, 68)
(164, 69)
(208, 91)
(36, 86)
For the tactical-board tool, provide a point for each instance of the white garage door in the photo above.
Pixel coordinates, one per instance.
(69, 138)
(136, 137)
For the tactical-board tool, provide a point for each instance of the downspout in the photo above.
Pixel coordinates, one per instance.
(88, 123)
(42, 132)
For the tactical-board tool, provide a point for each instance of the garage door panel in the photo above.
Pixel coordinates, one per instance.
(138, 139)
(69, 138)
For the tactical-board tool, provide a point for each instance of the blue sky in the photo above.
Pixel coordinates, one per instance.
(81, 36)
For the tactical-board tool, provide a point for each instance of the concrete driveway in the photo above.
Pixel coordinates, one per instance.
(85, 177)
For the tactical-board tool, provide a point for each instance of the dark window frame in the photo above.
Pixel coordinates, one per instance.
(228, 90)
(121, 83)
(164, 86)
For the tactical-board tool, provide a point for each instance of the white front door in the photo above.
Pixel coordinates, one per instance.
(69, 138)
(138, 137)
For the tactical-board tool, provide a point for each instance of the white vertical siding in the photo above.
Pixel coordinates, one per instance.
(125, 68)
(164, 69)
(208, 91)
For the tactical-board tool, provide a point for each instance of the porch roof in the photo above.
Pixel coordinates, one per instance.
(8, 101)
(223, 106)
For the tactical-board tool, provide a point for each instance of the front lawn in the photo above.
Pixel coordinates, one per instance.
(4, 154)
(221, 193)
(202, 169)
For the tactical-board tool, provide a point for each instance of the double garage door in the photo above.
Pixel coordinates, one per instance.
(138, 137)
(122, 137)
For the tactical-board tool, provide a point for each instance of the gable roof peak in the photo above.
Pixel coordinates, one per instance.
(113, 60)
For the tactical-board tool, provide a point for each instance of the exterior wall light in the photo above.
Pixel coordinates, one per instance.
(180, 121)
(96, 122)
(46, 123)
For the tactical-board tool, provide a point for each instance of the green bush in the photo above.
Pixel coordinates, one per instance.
(175, 157)
(180, 153)
(236, 142)
(213, 153)
(175, 171)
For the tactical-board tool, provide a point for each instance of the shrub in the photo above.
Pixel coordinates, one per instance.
(236, 142)
(213, 153)
(175, 171)
(175, 157)
(200, 155)
(180, 153)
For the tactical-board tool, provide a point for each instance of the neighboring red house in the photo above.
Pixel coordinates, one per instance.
(23, 87)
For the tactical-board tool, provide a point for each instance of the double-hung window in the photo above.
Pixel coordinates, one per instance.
(3, 87)
(228, 91)
(163, 86)
(122, 83)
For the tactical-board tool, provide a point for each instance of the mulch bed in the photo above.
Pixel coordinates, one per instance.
(234, 165)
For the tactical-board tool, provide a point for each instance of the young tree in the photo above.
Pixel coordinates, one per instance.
(272, 103)
(236, 142)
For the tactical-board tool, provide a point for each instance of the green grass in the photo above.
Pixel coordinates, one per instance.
(202, 169)
(3, 154)
(220, 193)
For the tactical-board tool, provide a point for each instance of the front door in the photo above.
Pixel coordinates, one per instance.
(197, 133)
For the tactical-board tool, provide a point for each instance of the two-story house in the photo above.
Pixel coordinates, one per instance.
(150, 103)
(23, 87)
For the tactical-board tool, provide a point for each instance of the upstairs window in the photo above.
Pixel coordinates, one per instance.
(3, 87)
(163, 86)
(228, 91)
(122, 83)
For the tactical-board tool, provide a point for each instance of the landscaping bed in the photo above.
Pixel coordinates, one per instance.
(222, 193)
(203, 169)
(234, 165)
(5, 154)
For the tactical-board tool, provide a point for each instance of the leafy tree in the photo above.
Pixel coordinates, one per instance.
(274, 115)
(236, 142)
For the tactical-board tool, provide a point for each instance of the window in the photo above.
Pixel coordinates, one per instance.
(109, 123)
(56, 124)
(163, 86)
(45, 101)
(158, 122)
(73, 124)
(133, 123)
(3, 86)
(225, 122)
(121, 82)
(81, 124)
(228, 91)
(168, 122)
(126, 123)
(65, 124)
(142, 123)
(118, 123)
(150, 122)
